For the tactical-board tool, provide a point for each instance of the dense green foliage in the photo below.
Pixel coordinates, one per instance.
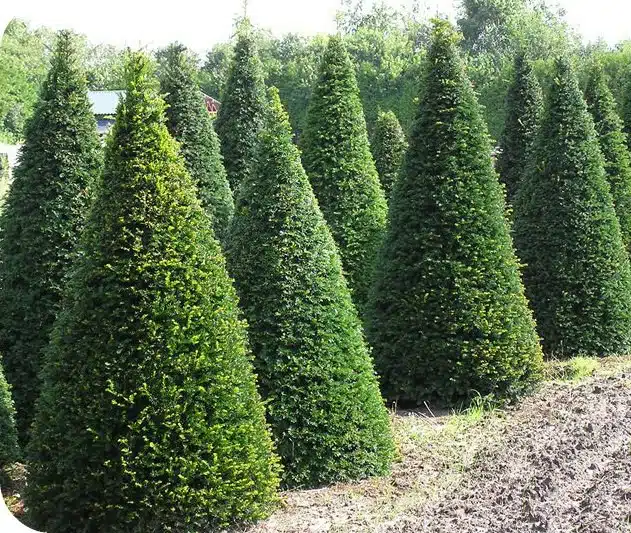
(8, 431)
(495, 31)
(613, 146)
(240, 117)
(24, 61)
(314, 368)
(337, 158)
(577, 273)
(149, 418)
(41, 221)
(524, 108)
(448, 318)
(189, 122)
(388, 148)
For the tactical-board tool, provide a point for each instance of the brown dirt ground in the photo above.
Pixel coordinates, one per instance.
(559, 462)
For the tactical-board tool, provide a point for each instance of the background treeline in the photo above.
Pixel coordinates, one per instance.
(386, 45)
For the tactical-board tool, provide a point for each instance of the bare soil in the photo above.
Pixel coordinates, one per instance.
(559, 462)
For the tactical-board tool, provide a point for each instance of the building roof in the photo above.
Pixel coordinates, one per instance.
(105, 102)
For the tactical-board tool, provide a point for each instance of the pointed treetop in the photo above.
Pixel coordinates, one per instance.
(602, 106)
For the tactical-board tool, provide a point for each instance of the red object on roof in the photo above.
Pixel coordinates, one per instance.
(211, 104)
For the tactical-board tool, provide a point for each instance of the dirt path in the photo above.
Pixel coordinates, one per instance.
(559, 463)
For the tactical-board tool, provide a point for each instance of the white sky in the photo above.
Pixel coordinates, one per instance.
(201, 23)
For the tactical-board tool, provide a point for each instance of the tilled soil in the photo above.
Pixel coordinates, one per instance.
(560, 462)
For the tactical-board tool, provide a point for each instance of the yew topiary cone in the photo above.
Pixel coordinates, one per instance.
(448, 318)
(576, 272)
(149, 418)
(524, 105)
(324, 404)
(190, 124)
(337, 158)
(613, 146)
(240, 116)
(41, 221)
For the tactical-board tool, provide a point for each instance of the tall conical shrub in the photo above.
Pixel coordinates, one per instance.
(324, 403)
(8, 432)
(524, 107)
(41, 220)
(602, 107)
(448, 318)
(240, 116)
(149, 418)
(577, 271)
(388, 148)
(189, 122)
(337, 158)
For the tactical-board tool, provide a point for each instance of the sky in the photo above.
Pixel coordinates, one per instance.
(201, 23)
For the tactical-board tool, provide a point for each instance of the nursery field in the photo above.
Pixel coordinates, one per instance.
(560, 461)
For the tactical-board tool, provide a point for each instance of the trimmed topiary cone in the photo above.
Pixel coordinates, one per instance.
(448, 318)
(42, 219)
(576, 266)
(314, 368)
(337, 158)
(190, 124)
(388, 148)
(524, 105)
(240, 116)
(149, 418)
(602, 107)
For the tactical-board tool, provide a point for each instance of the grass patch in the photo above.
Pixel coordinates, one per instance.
(575, 369)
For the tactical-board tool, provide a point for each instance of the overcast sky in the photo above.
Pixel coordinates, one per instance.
(201, 23)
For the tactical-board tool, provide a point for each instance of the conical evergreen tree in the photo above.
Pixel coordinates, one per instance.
(337, 158)
(388, 148)
(602, 107)
(8, 432)
(41, 221)
(577, 271)
(189, 122)
(149, 418)
(240, 116)
(448, 317)
(524, 105)
(325, 407)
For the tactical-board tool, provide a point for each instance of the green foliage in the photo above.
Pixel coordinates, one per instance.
(495, 31)
(613, 146)
(149, 418)
(8, 432)
(42, 218)
(524, 105)
(314, 368)
(388, 148)
(24, 62)
(577, 273)
(189, 122)
(240, 117)
(291, 64)
(337, 158)
(447, 316)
